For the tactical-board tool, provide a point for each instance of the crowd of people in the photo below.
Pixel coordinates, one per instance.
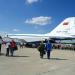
(64, 46)
(10, 46)
(43, 48)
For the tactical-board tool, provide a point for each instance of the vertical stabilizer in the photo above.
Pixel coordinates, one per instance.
(64, 29)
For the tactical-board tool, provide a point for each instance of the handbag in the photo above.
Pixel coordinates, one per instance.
(15, 48)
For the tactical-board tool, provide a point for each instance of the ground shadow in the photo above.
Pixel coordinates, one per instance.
(56, 59)
(2, 54)
(18, 56)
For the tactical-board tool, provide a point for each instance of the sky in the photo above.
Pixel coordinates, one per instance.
(33, 16)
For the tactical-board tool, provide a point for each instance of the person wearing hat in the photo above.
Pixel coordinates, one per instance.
(41, 49)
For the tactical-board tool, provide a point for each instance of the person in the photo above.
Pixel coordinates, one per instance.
(12, 46)
(41, 49)
(48, 48)
(7, 48)
(0, 44)
(21, 45)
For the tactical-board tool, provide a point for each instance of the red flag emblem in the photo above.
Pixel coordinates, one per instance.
(65, 23)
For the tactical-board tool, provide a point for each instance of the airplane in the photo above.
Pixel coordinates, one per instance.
(65, 30)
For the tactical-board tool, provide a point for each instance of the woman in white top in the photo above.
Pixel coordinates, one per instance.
(7, 48)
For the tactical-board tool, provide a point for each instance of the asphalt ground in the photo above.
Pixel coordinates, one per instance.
(27, 61)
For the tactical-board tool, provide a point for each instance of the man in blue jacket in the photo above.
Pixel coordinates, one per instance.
(48, 48)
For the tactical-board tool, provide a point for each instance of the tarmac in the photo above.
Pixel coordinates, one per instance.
(27, 61)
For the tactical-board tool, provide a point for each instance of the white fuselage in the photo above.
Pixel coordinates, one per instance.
(66, 29)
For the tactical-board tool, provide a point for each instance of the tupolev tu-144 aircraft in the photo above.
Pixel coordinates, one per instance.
(65, 30)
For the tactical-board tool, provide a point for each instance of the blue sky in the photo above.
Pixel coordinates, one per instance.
(33, 16)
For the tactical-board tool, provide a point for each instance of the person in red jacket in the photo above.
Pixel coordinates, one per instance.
(12, 45)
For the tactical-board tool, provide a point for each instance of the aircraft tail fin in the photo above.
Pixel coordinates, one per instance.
(64, 28)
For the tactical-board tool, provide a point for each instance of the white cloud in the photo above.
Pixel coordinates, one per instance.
(3, 34)
(39, 20)
(31, 1)
(16, 30)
